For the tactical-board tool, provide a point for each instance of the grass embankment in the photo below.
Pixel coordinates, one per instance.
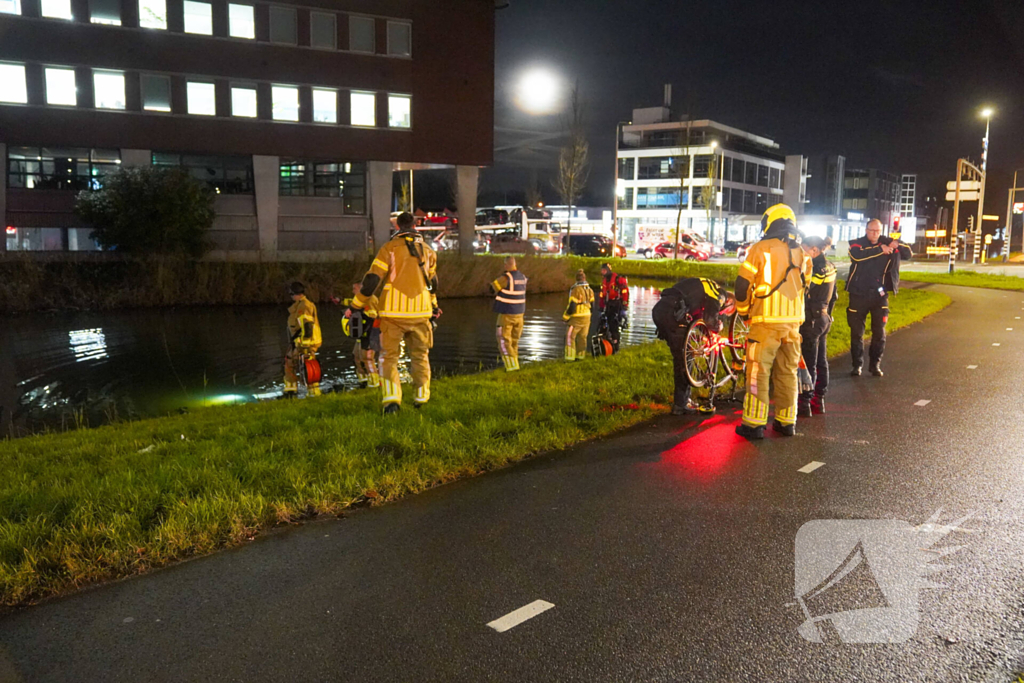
(92, 505)
(966, 278)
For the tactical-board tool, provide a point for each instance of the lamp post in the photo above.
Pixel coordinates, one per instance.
(615, 192)
(986, 114)
(721, 186)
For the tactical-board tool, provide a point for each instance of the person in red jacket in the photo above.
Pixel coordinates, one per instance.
(613, 301)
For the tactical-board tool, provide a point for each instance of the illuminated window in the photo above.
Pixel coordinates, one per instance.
(156, 93)
(56, 9)
(323, 30)
(243, 101)
(12, 84)
(400, 111)
(105, 12)
(399, 38)
(153, 14)
(325, 106)
(202, 98)
(109, 88)
(10, 6)
(241, 21)
(361, 34)
(364, 108)
(283, 25)
(198, 18)
(285, 102)
(60, 87)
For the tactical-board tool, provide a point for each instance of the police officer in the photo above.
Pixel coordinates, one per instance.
(874, 272)
(770, 293)
(686, 300)
(510, 305)
(305, 338)
(613, 301)
(577, 318)
(821, 299)
(406, 309)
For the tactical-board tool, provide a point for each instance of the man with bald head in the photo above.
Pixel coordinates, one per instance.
(874, 272)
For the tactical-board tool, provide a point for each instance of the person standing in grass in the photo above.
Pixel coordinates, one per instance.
(577, 317)
(613, 301)
(821, 299)
(367, 346)
(510, 305)
(305, 339)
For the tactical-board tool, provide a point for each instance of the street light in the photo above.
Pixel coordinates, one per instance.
(986, 114)
(620, 190)
(721, 185)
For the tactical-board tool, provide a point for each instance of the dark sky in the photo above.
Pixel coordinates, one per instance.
(890, 84)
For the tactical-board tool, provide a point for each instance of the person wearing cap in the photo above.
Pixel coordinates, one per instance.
(577, 318)
(770, 294)
(304, 338)
(613, 300)
(510, 305)
(821, 299)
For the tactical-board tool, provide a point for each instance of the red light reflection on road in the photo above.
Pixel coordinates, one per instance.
(707, 452)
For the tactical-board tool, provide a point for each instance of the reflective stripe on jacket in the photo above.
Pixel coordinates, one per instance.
(766, 266)
(581, 300)
(511, 293)
(405, 293)
(304, 324)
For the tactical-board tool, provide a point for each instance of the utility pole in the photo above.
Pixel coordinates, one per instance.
(956, 216)
(987, 114)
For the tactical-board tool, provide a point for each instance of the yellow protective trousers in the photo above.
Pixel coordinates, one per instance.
(291, 376)
(773, 355)
(366, 365)
(510, 328)
(576, 337)
(418, 335)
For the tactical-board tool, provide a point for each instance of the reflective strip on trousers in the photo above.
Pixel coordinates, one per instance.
(391, 392)
(422, 394)
(787, 416)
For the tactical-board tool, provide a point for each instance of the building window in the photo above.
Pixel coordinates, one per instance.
(748, 199)
(109, 89)
(199, 18)
(156, 93)
(292, 180)
(702, 165)
(284, 102)
(659, 197)
(325, 105)
(362, 34)
(735, 200)
(56, 9)
(10, 6)
(12, 84)
(105, 12)
(323, 30)
(241, 21)
(626, 200)
(283, 25)
(400, 111)
(774, 179)
(153, 14)
(202, 98)
(627, 168)
(762, 176)
(364, 108)
(243, 101)
(223, 174)
(51, 168)
(399, 38)
(60, 87)
(737, 171)
(750, 177)
(761, 203)
(653, 168)
(346, 181)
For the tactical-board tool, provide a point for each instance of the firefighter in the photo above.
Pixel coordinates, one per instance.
(510, 305)
(304, 337)
(689, 299)
(821, 299)
(613, 301)
(406, 310)
(367, 346)
(577, 317)
(770, 294)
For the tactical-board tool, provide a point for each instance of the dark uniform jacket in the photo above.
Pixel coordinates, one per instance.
(821, 292)
(870, 268)
(696, 296)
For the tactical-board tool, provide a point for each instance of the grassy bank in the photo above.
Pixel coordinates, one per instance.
(967, 278)
(92, 505)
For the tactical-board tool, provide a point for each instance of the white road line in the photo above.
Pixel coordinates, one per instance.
(1009, 329)
(996, 344)
(1016, 317)
(513, 619)
(972, 367)
(811, 466)
(923, 402)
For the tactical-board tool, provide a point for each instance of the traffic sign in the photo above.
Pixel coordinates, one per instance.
(990, 217)
(1018, 207)
(964, 196)
(969, 185)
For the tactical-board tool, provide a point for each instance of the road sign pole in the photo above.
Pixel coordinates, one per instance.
(979, 224)
(956, 216)
(1008, 231)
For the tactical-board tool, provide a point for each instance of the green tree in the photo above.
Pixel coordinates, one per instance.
(150, 211)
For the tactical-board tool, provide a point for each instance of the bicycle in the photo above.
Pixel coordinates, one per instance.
(713, 360)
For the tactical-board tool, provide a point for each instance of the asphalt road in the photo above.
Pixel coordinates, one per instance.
(667, 551)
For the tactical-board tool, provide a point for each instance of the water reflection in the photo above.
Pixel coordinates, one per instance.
(88, 344)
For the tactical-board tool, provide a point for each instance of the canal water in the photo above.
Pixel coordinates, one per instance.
(60, 370)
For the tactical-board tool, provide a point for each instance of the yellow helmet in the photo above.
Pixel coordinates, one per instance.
(346, 326)
(779, 221)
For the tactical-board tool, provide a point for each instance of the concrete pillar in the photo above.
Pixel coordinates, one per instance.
(379, 176)
(266, 178)
(465, 197)
(3, 195)
(131, 158)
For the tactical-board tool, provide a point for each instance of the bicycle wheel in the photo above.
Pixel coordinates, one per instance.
(700, 361)
(738, 343)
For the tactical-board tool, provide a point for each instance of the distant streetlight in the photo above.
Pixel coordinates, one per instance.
(537, 91)
(986, 114)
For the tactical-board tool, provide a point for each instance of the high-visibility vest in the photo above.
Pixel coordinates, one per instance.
(776, 293)
(511, 299)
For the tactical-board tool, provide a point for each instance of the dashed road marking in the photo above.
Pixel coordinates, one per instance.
(1009, 329)
(811, 466)
(923, 402)
(1016, 317)
(513, 619)
(995, 344)
(972, 367)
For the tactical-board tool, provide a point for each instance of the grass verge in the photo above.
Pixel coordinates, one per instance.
(967, 278)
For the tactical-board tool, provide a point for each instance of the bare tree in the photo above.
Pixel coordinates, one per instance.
(709, 193)
(573, 162)
(404, 196)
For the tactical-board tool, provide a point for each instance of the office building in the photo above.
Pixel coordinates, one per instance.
(825, 175)
(870, 193)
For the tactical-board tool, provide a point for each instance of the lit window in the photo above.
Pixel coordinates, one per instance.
(198, 18)
(323, 30)
(60, 87)
(241, 21)
(243, 102)
(109, 87)
(364, 108)
(12, 84)
(156, 93)
(361, 34)
(202, 98)
(153, 14)
(325, 106)
(56, 9)
(283, 25)
(285, 102)
(399, 38)
(400, 111)
(105, 12)
(10, 6)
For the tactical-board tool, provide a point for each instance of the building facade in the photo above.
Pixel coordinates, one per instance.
(825, 174)
(295, 113)
(870, 193)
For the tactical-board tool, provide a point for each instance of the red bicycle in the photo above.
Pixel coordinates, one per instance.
(712, 359)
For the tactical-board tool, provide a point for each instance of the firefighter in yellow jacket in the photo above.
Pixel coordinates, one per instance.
(770, 294)
(367, 346)
(577, 317)
(406, 310)
(510, 305)
(305, 339)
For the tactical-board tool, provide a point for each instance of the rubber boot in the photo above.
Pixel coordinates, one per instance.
(784, 430)
(855, 372)
(804, 408)
(876, 370)
(392, 409)
(748, 432)
(818, 405)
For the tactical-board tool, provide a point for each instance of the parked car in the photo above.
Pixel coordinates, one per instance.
(449, 241)
(581, 244)
(492, 217)
(686, 252)
(544, 244)
(741, 251)
(511, 243)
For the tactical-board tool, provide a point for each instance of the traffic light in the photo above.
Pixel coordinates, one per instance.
(895, 232)
(970, 223)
